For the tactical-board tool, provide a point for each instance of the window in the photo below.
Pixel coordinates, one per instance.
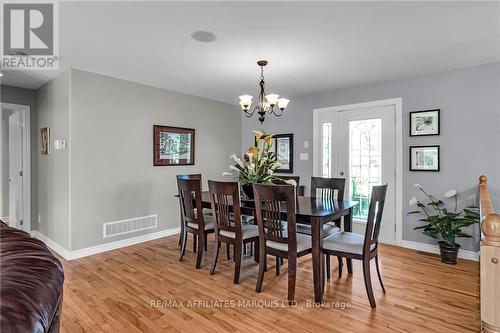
(365, 162)
(327, 150)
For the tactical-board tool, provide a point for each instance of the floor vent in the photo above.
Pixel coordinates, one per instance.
(115, 228)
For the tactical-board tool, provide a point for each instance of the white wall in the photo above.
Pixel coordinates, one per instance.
(112, 172)
(53, 169)
(469, 100)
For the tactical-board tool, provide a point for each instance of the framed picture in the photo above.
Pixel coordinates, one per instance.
(424, 123)
(282, 145)
(173, 145)
(44, 140)
(424, 158)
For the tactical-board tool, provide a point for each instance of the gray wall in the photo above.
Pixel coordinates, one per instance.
(53, 169)
(112, 172)
(470, 136)
(22, 96)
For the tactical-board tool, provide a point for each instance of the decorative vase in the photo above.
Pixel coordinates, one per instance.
(449, 253)
(248, 190)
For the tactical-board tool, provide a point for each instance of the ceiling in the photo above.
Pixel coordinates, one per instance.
(311, 47)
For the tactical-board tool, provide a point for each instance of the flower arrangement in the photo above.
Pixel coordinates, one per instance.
(442, 223)
(257, 165)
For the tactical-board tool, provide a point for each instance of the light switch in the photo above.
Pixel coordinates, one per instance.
(306, 144)
(59, 144)
(304, 156)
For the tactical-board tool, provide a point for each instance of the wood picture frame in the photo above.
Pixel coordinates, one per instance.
(283, 143)
(173, 146)
(425, 158)
(45, 141)
(425, 123)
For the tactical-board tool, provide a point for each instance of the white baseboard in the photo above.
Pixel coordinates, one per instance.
(464, 254)
(72, 255)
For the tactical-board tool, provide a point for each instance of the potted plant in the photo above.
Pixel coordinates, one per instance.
(444, 224)
(257, 165)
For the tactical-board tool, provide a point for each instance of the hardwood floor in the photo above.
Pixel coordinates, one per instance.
(129, 290)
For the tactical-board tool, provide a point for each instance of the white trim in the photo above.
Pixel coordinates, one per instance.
(68, 147)
(432, 248)
(26, 111)
(72, 255)
(398, 107)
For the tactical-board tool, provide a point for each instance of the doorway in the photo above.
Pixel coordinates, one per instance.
(362, 143)
(15, 180)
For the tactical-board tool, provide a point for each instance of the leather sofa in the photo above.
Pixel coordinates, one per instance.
(31, 284)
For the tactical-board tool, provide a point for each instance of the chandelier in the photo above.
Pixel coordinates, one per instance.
(266, 103)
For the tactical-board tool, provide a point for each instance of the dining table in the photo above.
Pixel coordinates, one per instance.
(314, 211)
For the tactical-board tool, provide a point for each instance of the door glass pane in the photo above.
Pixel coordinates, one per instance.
(326, 149)
(365, 162)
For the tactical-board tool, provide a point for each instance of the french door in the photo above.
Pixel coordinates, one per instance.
(359, 145)
(16, 170)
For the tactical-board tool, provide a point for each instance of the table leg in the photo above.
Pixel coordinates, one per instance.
(317, 240)
(348, 228)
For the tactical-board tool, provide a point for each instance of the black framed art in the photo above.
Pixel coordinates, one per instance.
(425, 123)
(424, 158)
(282, 145)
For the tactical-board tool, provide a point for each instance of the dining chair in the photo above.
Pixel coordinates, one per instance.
(328, 189)
(192, 176)
(279, 239)
(194, 221)
(228, 225)
(282, 179)
(355, 246)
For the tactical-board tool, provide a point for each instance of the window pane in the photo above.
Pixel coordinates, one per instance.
(327, 150)
(365, 162)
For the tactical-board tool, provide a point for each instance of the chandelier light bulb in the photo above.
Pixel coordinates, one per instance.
(283, 103)
(245, 105)
(272, 99)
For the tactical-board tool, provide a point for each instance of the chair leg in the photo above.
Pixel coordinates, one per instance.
(181, 234)
(256, 252)
(199, 254)
(215, 255)
(341, 264)
(237, 262)
(227, 251)
(292, 276)
(183, 245)
(244, 249)
(205, 244)
(378, 273)
(368, 282)
(195, 240)
(262, 263)
(328, 266)
(278, 261)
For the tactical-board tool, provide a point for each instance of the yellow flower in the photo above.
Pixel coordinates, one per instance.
(268, 139)
(258, 135)
(254, 150)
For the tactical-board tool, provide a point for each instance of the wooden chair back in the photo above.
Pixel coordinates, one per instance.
(281, 182)
(375, 211)
(327, 188)
(271, 201)
(222, 196)
(190, 199)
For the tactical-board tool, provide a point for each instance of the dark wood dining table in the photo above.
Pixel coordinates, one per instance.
(315, 212)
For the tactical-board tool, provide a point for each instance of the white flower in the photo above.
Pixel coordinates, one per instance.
(417, 186)
(413, 201)
(275, 165)
(251, 167)
(263, 159)
(232, 167)
(291, 182)
(450, 194)
(270, 172)
(236, 159)
(227, 174)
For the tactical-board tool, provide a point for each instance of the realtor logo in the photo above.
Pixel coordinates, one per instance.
(29, 36)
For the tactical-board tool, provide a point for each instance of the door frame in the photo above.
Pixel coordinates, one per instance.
(26, 111)
(398, 107)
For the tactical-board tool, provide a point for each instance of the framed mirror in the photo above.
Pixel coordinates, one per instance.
(283, 147)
